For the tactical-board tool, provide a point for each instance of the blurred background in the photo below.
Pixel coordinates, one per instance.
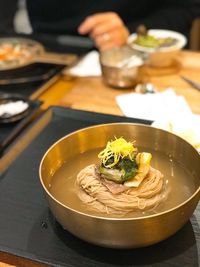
(14, 18)
(195, 35)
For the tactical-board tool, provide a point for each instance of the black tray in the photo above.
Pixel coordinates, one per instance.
(28, 229)
(30, 90)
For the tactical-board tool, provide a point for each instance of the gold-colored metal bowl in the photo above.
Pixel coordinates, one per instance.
(121, 232)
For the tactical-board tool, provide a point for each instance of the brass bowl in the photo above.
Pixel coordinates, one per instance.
(121, 232)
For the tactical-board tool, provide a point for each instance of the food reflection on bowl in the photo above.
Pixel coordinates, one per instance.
(162, 46)
(121, 66)
(176, 159)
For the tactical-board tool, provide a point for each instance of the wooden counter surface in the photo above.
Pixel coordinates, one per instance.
(93, 95)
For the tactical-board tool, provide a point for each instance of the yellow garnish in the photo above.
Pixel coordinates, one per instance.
(117, 149)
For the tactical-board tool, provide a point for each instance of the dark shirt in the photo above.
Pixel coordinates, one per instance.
(64, 17)
(7, 12)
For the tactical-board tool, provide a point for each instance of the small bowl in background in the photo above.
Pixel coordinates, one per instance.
(121, 66)
(162, 56)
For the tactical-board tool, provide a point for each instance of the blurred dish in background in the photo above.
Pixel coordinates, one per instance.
(16, 52)
(162, 46)
(13, 107)
(121, 66)
(21, 52)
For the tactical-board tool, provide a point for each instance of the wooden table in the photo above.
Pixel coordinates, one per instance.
(93, 95)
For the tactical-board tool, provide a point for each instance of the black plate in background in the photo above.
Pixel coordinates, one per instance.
(52, 43)
(28, 229)
(10, 130)
(30, 88)
(13, 98)
(59, 43)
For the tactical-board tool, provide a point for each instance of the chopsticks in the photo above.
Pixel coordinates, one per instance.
(190, 82)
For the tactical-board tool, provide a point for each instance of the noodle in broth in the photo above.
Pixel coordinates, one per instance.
(177, 182)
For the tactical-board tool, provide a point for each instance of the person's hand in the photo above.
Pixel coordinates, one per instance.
(106, 29)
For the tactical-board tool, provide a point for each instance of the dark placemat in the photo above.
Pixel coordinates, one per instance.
(28, 229)
(48, 71)
(9, 131)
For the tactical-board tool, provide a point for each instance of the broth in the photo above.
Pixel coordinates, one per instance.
(179, 181)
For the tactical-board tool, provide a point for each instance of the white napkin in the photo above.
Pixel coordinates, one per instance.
(167, 111)
(88, 66)
(187, 127)
(153, 106)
